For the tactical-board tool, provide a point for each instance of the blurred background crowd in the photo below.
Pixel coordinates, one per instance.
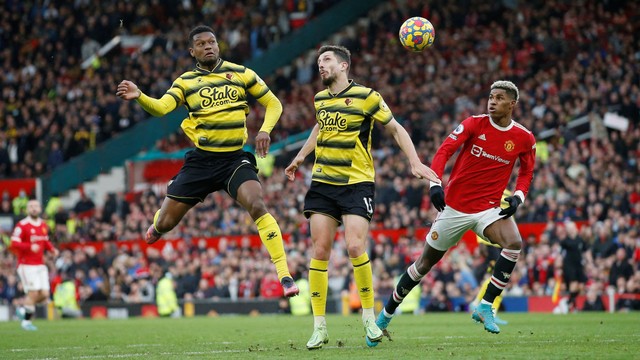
(573, 63)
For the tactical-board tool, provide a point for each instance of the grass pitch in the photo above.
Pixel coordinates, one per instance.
(432, 336)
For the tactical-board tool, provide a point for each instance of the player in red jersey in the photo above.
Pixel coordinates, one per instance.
(29, 240)
(490, 144)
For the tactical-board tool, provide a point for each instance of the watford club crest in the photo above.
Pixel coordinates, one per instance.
(348, 101)
(229, 76)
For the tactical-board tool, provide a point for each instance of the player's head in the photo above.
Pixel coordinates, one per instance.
(34, 208)
(203, 46)
(502, 99)
(333, 62)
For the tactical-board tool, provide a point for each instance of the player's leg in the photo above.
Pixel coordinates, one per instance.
(33, 280)
(445, 232)
(165, 219)
(356, 229)
(194, 181)
(410, 278)
(249, 194)
(503, 232)
(323, 231)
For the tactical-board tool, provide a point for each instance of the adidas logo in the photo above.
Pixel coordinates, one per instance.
(271, 235)
(482, 137)
(365, 289)
(315, 294)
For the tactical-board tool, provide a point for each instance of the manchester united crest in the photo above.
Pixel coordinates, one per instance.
(509, 145)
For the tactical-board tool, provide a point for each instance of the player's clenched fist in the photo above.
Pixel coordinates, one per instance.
(127, 90)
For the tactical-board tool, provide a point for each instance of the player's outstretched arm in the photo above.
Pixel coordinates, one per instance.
(127, 90)
(306, 149)
(418, 169)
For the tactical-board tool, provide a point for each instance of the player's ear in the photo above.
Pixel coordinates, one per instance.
(191, 52)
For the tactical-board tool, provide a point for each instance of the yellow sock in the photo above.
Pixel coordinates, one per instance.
(318, 286)
(155, 221)
(363, 275)
(496, 303)
(272, 239)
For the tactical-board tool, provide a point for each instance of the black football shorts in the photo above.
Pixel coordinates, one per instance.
(205, 172)
(337, 200)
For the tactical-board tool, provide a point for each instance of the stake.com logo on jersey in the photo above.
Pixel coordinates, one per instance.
(477, 152)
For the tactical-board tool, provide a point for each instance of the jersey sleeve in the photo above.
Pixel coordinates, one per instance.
(173, 98)
(17, 239)
(527, 164)
(450, 145)
(255, 85)
(375, 107)
(259, 89)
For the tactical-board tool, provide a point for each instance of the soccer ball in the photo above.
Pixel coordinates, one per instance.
(417, 34)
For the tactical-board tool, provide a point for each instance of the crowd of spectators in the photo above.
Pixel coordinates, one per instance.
(570, 61)
(52, 108)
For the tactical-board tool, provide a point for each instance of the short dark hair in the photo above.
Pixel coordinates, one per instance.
(341, 52)
(198, 30)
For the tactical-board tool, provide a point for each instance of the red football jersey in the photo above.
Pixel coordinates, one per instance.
(26, 233)
(483, 168)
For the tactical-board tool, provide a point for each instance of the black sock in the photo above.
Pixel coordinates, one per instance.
(501, 273)
(407, 282)
(572, 297)
(27, 315)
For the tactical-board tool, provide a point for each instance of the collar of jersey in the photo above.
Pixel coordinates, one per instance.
(201, 70)
(351, 83)
(498, 127)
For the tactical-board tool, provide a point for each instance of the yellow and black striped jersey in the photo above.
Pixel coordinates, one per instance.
(217, 104)
(343, 148)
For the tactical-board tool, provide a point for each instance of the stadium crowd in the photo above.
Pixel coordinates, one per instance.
(53, 108)
(570, 61)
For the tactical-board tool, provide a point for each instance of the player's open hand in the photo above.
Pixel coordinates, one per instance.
(263, 140)
(290, 171)
(422, 171)
(127, 90)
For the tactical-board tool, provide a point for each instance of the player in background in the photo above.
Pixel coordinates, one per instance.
(490, 144)
(342, 188)
(215, 93)
(29, 241)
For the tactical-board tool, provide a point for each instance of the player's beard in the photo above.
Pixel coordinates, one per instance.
(329, 80)
(208, 62)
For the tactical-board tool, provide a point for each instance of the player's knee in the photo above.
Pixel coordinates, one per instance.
(321, 252)
(355, 250)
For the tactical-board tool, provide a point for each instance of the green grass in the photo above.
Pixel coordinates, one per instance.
(433, 336)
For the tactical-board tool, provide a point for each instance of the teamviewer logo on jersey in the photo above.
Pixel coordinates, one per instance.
(476, 150)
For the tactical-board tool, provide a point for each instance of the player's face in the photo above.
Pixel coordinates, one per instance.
(330, 67)
(500, 104)
(205, 49)
(34, 209)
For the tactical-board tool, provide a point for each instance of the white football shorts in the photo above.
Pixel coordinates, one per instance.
(451, 224)
(34, 277)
